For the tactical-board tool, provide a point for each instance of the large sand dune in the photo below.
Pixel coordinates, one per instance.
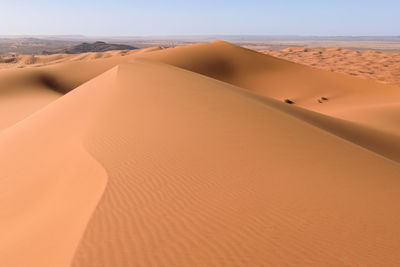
(23, 91)
(189, 157)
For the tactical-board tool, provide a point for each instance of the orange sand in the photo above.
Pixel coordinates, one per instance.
(189, 157)
(367, 64)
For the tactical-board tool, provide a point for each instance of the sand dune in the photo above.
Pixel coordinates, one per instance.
(280, 79)
(189, 157)
(368, 64)
(24, 91)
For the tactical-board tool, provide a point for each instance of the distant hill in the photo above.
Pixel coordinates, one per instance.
(90, 47)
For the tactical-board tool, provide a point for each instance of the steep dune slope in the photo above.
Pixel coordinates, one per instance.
(24, 91)
(49, 183)
(381, 116)
(202, 175)
(163, 161)
(380, 141)
(282, 79)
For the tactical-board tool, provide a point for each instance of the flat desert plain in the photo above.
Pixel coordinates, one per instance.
(201, 155)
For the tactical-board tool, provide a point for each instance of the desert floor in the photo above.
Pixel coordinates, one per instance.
(192, 156)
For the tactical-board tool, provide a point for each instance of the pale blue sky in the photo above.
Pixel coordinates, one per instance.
(179, 17)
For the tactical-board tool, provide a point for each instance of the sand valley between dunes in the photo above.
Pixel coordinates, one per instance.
(190, 156)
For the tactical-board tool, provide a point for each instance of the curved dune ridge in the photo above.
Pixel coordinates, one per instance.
(189, 157)
(24, 91)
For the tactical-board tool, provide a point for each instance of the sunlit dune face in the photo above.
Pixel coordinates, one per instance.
(201, 155)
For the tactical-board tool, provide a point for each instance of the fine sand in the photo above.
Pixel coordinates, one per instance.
(368, 64)
(190, 157)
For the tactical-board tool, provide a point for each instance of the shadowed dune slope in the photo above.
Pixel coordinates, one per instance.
(170, 159)
(49, 183)
(201, 174)
(282, 79)
(24, 91)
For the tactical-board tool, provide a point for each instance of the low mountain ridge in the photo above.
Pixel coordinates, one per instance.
(90, 47)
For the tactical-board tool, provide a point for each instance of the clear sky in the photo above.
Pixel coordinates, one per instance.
(186, 17)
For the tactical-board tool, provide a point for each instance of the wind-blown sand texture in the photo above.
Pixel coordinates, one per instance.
(189, 157)
(368, 64)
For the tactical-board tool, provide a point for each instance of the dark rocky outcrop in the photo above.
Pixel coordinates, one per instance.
(90, 47)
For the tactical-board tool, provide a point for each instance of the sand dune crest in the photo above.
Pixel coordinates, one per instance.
(189, 157)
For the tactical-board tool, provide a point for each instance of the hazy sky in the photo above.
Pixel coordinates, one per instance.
(185, 17)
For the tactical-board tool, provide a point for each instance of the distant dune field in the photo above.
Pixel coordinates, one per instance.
(370, 64)
(194, 156)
